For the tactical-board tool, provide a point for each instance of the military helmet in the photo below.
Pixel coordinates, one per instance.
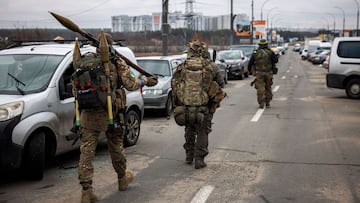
(197, 48)
(263, 42)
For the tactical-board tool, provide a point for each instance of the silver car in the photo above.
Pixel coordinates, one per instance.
(159, 96)
(37, 105)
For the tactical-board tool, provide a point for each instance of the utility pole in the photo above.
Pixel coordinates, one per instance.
(252, 22)
(231, 23)
(165, 28)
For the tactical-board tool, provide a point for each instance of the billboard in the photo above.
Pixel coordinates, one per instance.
(243, 29)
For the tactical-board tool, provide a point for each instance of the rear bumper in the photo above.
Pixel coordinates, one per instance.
(335, 81)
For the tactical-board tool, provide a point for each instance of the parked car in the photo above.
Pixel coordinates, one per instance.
(297, 47)
(320, 58)
(159, 96)
(248, 49)
(220, 63)
(304, 54)
(37, 106)
(236, 62)
(344, 66)
(325, 64)
(312, 55)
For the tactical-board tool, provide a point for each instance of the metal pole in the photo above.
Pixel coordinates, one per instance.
(262, 6)
(165, 26)
(231, 23)
(357, 18)
(252, 22)
(343, 34)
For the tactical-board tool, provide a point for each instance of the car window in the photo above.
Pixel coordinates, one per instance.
(157, 67)
(230, 55)
(26, 73)
(349, 49)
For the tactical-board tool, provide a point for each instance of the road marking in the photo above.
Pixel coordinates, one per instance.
(283, 77)
(257, 116)
(202, 195)
(276, 88)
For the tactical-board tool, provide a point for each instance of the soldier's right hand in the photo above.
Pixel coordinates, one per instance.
(150, 81)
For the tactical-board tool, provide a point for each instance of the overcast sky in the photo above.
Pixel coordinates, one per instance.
(97, 13)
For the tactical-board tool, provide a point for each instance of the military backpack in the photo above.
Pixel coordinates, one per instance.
(90, 83)
(190, 86)
(263, 60)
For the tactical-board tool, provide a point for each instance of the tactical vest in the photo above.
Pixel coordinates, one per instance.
(191, 84)
(90, 83)
(263, 60)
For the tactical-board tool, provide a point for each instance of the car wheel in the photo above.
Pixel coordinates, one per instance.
(34, 159)
(240, 77)
(168, 106)
(132, 129)
(353, 89)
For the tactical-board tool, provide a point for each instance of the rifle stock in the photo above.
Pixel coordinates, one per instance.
(73, 27)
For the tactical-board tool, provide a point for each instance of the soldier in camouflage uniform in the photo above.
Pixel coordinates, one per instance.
(196, 136)
(261, 64)
(95, 121)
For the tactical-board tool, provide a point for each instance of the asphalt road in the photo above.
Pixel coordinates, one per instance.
(305, 148)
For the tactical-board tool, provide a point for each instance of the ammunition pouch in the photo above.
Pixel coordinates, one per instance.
(189, 115)
(216, 95)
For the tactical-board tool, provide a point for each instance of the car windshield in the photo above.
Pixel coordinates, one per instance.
(230, 55)
(248, 50)
(24, 74)
(157, 67)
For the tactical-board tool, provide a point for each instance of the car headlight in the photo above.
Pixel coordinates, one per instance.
(152, 92)
(11, 110)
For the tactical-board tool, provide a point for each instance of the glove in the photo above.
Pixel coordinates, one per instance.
(150, 81)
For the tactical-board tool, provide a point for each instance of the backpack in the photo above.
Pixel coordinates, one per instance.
(263, 59)
(190, 86)
(191, 82)
(90, 83)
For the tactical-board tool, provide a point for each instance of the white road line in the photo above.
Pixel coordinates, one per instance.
(276, 88)
(202, 195)
(257, 116)
(283, 77)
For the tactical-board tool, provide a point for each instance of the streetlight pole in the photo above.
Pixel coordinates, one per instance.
(357, 18)
(252, 23)
(334, 22)
(231, 23)
(262, 6)
(343, 34)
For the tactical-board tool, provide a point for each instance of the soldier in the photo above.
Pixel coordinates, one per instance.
(198, 124)
(94, 121)
(261, 65)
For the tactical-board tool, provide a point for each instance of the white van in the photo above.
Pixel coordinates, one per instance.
(37, 106)
(344, 66)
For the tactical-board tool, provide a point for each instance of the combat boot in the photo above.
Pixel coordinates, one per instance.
(261, 106)
(126, 180)
(199, 163)
(189, 157)
(88, 196)
(267, 105)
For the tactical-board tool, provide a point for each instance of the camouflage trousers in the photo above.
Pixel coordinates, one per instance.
(89, 141)
(263, 83)
(197, 139)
